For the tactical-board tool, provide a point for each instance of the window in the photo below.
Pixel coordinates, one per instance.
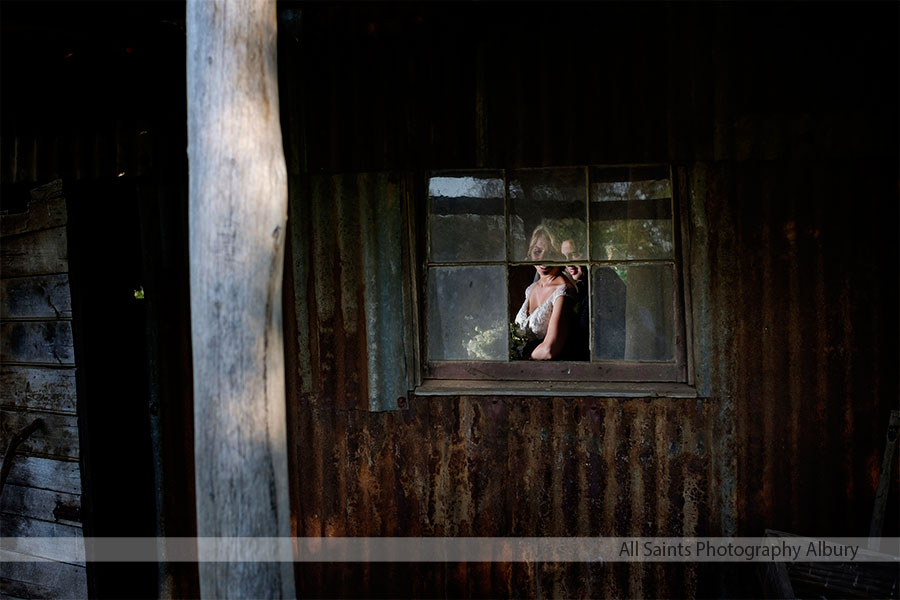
(612, 228)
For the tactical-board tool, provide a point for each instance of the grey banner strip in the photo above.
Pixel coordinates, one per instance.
(77, 550)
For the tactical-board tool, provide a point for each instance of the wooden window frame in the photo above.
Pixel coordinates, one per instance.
(596, 377)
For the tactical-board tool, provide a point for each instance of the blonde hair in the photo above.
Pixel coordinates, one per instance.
(551, 253)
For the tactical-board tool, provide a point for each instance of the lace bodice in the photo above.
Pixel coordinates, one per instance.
(534, 325)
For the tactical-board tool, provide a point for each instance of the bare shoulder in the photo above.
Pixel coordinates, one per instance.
(562, 292)
(569, 288)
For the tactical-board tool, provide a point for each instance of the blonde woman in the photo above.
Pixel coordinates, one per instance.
(544, 319)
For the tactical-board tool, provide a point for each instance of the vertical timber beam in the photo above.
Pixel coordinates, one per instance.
(238, 212)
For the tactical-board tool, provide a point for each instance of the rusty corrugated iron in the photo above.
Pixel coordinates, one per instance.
(499, 466)
(793, 358)
(787, 160)
(86, 101)
(802, 344)
(348, 236)
(122, 149)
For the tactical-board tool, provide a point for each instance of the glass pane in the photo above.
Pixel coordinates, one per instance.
(633, 312)
(631, 213)
(576, 346)
(466, 317)
(546, 210)
(466, 217)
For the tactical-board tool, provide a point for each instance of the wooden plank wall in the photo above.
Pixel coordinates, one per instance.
(42, 495)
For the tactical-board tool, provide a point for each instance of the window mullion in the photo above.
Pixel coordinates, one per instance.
(589, 266)
(506, 232)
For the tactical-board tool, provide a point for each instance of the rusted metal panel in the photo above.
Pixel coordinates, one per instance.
(789, 220)
(88, 101)
(125, 149)
(386, 313)
(799, 341)
(348, 239)
(500, 466)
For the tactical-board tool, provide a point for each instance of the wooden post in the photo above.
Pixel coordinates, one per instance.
(238, 213)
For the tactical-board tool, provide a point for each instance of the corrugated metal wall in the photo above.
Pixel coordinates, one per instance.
(90, 92)
(349, 290)
(480, 466)
(803, 343)
(786, 147)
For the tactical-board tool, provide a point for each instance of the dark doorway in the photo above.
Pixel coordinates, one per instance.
(113, 386)
(131, 317)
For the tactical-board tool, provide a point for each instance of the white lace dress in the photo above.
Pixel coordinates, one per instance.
(534, 326)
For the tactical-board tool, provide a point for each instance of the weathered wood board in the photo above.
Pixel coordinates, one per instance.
(41, 342)
(53, 189)
(39, 297)
(45, 505)
(37, 388)
(45, 473)
(39, 540)
(40, 579)
(58, 437)
(41, 214)
(37, 253)
(42, 495)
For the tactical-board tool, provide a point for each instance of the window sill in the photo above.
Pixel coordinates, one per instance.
(468, 387)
